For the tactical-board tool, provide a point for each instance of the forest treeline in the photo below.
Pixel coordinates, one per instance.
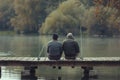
(95, 17)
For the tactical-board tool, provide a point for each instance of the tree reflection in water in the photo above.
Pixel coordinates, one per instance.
(58, 78)
(28, 77)
(29, 73)
(33, 77)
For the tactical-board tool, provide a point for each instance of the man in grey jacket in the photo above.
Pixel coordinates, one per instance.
(54, 48)
(70, 47)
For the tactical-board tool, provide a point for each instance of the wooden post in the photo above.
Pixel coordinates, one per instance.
(86, 71)
(0, 71)
(59, 78)
(31, 69)
(29, 73)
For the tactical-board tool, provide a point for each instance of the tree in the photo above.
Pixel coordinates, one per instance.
(108, 15)
(70, 15)
(64, 19)
(31, 13)
(6, 12)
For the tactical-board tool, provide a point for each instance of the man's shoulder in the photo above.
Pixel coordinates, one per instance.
(50, 42)
(68, 40)
(55, 42)
(59, 43)
(65, 40)
(75, 41)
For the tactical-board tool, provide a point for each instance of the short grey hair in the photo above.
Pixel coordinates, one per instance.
(70, 36)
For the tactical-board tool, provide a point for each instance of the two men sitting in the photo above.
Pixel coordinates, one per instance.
(69, 46)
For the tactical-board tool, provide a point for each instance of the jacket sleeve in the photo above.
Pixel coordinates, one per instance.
(47, 49)
(61, 49)
(77, 47)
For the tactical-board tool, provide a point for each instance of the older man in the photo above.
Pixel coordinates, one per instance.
(70, 47)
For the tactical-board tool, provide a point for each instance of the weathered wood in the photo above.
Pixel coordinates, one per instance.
(33, 61)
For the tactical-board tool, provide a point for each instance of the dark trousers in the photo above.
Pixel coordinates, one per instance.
(70, 56)
(51, 57)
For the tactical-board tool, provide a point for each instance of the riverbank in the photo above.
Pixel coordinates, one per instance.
(7, 33)
(11, 33)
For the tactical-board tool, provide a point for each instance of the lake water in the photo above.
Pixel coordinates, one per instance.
(27, 46)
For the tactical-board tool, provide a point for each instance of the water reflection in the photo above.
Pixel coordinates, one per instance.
(10, 73)
(89, 77)
(29, 73)
(58, 78)
(31, 45)
(84, 78)
(15, 73)
(28, 77)
(27, 45)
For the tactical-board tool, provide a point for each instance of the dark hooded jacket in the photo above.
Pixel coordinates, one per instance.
(70, 47)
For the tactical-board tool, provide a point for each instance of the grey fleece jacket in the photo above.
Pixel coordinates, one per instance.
(54, 48)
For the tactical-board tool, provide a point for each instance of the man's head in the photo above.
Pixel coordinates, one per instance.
(55, 36)
(70, 36)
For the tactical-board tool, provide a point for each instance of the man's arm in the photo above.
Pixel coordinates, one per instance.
(77, 47)
(48, 49)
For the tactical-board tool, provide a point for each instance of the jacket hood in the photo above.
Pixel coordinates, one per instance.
(70, 36)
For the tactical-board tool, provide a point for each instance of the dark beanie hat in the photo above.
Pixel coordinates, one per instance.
(55, 36)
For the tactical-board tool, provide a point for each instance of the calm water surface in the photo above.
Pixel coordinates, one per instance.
(32, 45)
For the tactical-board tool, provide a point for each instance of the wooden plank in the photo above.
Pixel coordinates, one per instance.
(5, 58)
(101, 59)
(41, 58)
(21, 58)
(86, 61)
(46, 59)
(35, 59)
(17, 58)
(25, 58)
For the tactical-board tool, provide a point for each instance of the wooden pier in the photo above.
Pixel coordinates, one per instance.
(87, 63)
(33, 61)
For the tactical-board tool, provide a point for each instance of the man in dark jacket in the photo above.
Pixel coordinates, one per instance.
(70, 47)
(54, 48)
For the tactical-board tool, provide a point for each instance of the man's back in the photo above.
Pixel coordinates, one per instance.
(70, 47)
(54, 48)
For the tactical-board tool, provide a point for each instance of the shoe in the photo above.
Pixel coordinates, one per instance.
(59, 67)
(73, 66)
(54, 67)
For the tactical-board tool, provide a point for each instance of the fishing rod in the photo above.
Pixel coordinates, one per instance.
(39, 55)
(81, 55)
